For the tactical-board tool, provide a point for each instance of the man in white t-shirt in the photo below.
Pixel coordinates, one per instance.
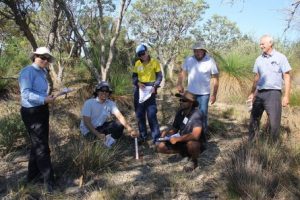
(95, 113)
(199, 70)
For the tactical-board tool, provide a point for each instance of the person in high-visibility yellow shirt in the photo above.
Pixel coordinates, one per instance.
(146, 72)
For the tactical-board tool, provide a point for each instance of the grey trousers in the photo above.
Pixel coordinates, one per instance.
(269, 101)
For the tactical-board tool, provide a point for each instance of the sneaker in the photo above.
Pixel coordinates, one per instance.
(109, 141)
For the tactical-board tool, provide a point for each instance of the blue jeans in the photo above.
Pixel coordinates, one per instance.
(203, 107)
(148, 108)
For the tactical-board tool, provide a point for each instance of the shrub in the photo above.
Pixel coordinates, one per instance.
(12, 132)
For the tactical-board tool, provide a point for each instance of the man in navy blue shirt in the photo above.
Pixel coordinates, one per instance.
(185, 132)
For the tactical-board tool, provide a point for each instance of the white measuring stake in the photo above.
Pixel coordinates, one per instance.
(136, 149)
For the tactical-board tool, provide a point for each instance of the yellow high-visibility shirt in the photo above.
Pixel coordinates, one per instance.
(146, 73)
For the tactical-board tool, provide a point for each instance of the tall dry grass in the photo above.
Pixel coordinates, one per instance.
(263, 171)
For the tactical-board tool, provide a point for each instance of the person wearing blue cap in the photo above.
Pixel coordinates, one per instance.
(146, 74)
(95, 114)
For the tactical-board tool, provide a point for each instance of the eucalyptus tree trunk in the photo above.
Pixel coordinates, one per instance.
(106, 65)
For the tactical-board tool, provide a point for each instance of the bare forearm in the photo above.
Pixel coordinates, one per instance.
(215, 85)
(187, 137)
(287, 85)
(254, 85)
(181, 78)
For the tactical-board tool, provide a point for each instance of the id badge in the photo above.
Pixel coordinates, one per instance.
(140, 68)
(185, 120)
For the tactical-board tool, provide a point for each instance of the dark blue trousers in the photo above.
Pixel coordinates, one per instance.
(149, 109)
(36, 121)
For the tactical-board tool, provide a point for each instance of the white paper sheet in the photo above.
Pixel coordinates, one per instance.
(109, 141)
(167, 138)
(145, 93)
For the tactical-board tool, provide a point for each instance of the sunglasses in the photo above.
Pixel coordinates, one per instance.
(44, 57)
(107, 91)
(142, 53)
(184, 100)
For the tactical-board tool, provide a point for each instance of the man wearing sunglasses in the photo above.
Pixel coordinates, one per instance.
(146, 73)
(35, 115)
(95, 114)
(184, 136)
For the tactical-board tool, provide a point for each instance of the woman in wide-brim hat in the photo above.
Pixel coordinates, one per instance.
(35, 115)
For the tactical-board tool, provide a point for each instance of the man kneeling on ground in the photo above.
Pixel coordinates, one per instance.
(184, 136)
(95, 113)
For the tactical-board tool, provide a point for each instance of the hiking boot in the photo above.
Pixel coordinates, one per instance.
(190, 166)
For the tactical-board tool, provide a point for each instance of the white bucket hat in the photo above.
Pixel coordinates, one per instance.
(43, 51)
(199, 45)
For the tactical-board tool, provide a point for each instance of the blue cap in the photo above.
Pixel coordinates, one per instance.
(140, 48)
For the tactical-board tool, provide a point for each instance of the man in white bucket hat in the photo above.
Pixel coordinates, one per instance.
(199, 70)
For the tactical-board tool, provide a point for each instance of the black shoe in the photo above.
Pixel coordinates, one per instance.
(190, 166)
(141, 141)
(48, 187)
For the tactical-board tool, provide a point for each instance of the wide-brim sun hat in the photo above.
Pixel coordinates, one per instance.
(186, 95)
(43, 51)
(199, 45)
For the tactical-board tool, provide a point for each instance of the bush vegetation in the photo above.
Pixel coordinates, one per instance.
(263, 171)
(12, 131)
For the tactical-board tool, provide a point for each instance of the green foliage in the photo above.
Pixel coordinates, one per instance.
(235, 65)
(295, 98)
(13, 58)
(218, 33)
(163, 25)
(121, 81)
(12, 132)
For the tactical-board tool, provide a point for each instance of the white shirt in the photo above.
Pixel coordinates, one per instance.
(199, 74)
(98, 112)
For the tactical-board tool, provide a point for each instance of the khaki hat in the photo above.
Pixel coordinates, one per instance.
(187, 95)
(43, 51)
(199, 45)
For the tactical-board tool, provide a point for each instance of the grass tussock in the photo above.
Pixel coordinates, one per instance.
(82, 157)
(263, 171)
(12, 131)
